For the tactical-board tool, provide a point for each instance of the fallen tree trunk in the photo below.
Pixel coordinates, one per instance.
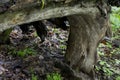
(26, 11)
(31, 11)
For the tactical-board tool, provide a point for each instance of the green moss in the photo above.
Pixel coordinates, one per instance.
(4, 36)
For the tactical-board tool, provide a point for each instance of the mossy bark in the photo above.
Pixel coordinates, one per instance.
(86, 32)
(25, 11)
(4, 36)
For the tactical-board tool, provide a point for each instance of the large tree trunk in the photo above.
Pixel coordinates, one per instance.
(86, 31)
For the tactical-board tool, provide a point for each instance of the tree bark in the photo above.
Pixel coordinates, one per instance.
(26, 11)
(86, 32)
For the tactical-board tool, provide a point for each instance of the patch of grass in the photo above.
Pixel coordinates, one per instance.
(34, 77)
(117, 78)
(22, 52)
(25, 52)
(54, 76)
(63, 47)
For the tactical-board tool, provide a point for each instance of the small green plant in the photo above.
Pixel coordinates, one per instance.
(64, 47)
(22, 52)
(115, 51)
(109, 45)
(42, 3)
(115, 19)
(117, 61)
(56, 30)
(105, 67)
(107, 71)
(34, 77)
(101, 53)
(54, 76)
(117, 78)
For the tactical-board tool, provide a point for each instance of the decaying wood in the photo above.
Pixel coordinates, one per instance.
(86, 31)
(31, 11)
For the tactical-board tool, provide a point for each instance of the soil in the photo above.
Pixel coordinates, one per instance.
(27, 57)
(16, 67)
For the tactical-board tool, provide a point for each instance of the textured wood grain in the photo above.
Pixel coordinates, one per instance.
(33, 12)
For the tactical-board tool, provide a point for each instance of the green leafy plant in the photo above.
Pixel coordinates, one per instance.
(102, 63)
(109, 45)
(53, 76)
(42, 3)
(116, 51)
(105, 67)
(25, 52)
(64, 47)
(34, 77)
(101, 53)
(117, 78)
(107, 71)
(22, 52)
(115, 19)
(117, 62)
(56, 30)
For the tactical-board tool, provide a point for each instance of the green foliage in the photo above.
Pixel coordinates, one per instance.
(56, 30)
(107, 71)
(63, 47)
(105, 67)
(35, 34)
(115, 19)
(109, 45)
(101, 53)
(42, 3)
(22, 52)
(116, 51)
(4, 36)
(117, 62)
(118, 78)
(53, 76)
(108, 67)
(34, 77)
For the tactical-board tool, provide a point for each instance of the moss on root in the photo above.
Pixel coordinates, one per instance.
(4, 36)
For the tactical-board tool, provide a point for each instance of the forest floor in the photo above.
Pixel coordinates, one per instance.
(28, 59)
